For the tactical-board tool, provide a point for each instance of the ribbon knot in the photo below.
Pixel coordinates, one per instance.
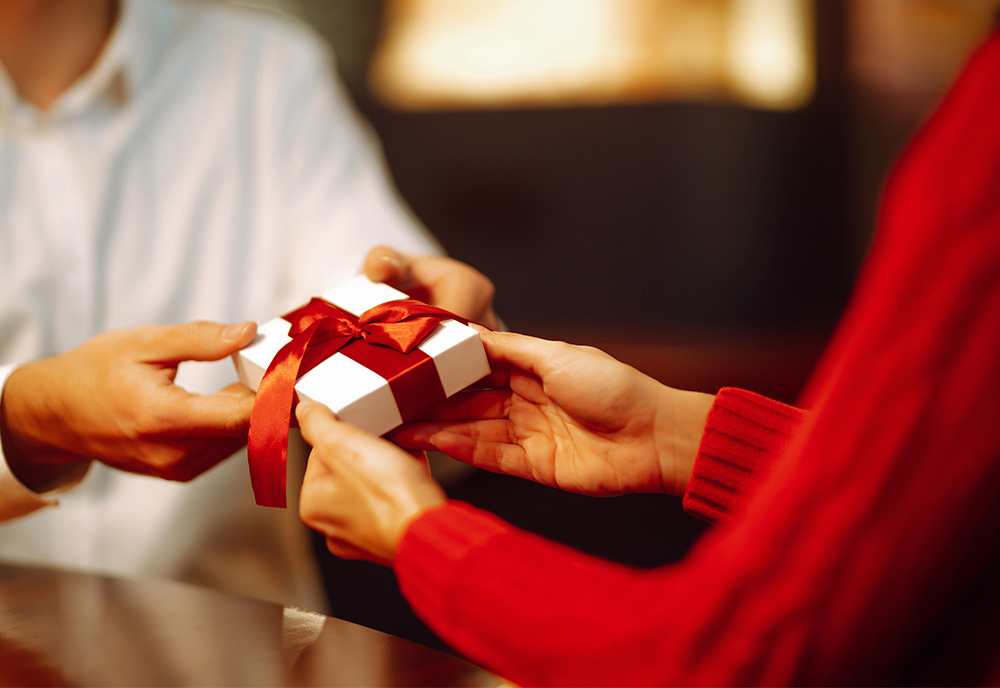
(318, 330)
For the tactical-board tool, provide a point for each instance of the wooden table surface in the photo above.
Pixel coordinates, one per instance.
(63, 628)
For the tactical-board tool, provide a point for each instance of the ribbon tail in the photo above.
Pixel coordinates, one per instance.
(267, 443)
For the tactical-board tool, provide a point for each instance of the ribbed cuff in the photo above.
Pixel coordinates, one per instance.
(744, 434)
(433, 547)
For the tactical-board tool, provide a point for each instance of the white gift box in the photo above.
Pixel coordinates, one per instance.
(356, 394)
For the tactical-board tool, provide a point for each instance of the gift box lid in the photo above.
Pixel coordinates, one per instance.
(353, 392)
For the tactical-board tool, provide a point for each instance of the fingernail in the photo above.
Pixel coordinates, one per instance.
(304, 407)
(233, 333)
(390, 266)
(431, 439)
(392, 260)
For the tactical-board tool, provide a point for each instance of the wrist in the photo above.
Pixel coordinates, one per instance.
(422, 503)
(23, 427)
(679, 432)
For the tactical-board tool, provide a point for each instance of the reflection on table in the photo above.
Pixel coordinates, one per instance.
(61, 628)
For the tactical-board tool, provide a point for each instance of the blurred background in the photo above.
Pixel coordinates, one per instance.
(690, 185)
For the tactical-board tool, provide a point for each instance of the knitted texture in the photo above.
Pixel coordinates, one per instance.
(744, 434)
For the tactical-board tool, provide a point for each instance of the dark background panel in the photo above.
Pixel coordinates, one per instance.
(707, 244)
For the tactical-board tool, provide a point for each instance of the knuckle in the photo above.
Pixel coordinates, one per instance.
(487, 288)
(106, 337)
(307, 512)
(148, 422)
(317, 503)
(192, 333)
(183, 475)
(161, 462)
(237, 424)
(337, 549)
(179, 465)
(309, 508)
(146, 336)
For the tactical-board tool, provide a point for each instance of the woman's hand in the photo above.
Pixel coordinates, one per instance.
(360, 491)
(571, 417)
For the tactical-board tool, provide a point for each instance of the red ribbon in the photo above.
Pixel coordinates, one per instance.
(383, 339)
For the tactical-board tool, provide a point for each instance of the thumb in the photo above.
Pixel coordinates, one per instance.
(321, 428)
(385, 264)
(194, 341)
(319, 425)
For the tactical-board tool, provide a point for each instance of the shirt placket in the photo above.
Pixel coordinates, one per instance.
(67, 231)
(69, 237)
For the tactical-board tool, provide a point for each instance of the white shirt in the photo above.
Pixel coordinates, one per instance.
(207, 167)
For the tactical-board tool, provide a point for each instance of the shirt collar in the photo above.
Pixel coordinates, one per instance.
(118, 69)
(126, 60)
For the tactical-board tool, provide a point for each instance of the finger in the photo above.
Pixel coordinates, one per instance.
(539, 357)
(498, 457)
(320, 428)
(315, 495)
(422, 436)
(237, 389)
(193, 341)
(318, 498)
(420, 456)
(384, 264)
(416, 437)
(318, 424)
(452, 285)
(465, 406)
(438, 280)
(498, 377)
(473, 405)
(190, 458)
(210, 455)
(345, 550)
(225, 413)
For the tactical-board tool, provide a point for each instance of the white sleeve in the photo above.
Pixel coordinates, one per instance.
(339, 199)
(15, 498)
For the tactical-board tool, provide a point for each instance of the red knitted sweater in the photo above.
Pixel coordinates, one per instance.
(865, 554)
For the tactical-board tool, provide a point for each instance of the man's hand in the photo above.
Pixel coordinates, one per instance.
(360, 491)
(437, 280)
(114, 399)
(571, 417)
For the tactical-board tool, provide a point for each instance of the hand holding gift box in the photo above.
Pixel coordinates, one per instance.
(371, 354)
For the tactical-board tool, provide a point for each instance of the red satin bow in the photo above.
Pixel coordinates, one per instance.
(318, 330)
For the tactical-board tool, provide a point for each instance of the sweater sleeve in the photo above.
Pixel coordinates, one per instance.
(868, 555)
(528, 608)
(744, 434)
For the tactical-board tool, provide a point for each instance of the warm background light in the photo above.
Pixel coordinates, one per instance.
(770, 56)
(445, 54)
